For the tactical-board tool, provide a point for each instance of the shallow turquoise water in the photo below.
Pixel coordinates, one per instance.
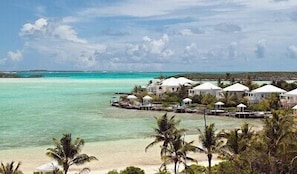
(34, 110)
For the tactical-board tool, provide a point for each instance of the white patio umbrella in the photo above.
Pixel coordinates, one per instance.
(187, 100)
(147, 98)
(219, 104)
(241, 106)
(48, 167)
(131, 97)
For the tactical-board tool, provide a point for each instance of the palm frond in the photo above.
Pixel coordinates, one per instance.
(84, 171)
(81, 159)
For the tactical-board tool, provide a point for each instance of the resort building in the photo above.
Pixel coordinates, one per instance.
(204, 89)
(256, 95)
(152, 86)
(289, 99)
(236, 89)
(172, 85)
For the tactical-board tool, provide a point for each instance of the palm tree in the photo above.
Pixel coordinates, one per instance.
(276, 130)
(237, 141)
(164, 132)
(9, 168)
(210, 142)
(228, 99)
(67, 153)
(182, 91)
(177, 152)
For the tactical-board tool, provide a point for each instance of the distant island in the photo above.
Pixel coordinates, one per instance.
(198, 76)
(15, 75)
(8, 75)
(236, 76)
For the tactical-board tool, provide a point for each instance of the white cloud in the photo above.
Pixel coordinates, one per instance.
(107, 34)
(86, 61)
(186, 32)
(260, 48)
(144, 8)
(190, 53)
(156, 49)
(70, 19)
(66, 32)
(146, 38)
(40, 10)
(29, 28)
(233, 50)
(15, 56)
(292, 51)
(45, 28)
(2, 61)
(60, 42)
(190, 50)
(270, 4)
(228, 28)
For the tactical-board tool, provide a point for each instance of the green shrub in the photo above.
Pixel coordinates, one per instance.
(132, 170)
(162, 171)
(113, 172)
(194, 169)
(226, 167)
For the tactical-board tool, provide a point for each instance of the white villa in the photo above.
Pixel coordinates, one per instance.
(289, 99)
(206, 88)
(170, 85)
(258, 94)
(152, 87)
(236, 89)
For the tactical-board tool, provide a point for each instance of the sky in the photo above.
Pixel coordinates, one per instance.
(149, 35)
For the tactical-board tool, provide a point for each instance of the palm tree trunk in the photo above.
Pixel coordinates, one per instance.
(209, 156)
(175, 167)
(65, 167)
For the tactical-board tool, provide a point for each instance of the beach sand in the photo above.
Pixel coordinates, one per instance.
(111, 155)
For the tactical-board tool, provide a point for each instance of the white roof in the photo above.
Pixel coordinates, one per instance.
(268, 89)
(236, 87)
(184, 80)
(207, 86)
(176, 81)
(170, 82)
(295, 107)
(293, 92)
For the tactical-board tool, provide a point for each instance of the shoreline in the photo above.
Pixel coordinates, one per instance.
(112, 155)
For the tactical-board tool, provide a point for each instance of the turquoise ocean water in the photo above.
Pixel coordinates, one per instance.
(34, 110)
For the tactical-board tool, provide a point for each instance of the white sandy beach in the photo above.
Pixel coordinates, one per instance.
(111, 155)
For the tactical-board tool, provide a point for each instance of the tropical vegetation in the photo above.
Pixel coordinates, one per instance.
(10, 168)
(174, 148)
(67, 152)
(210, 142)
(272, 150)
